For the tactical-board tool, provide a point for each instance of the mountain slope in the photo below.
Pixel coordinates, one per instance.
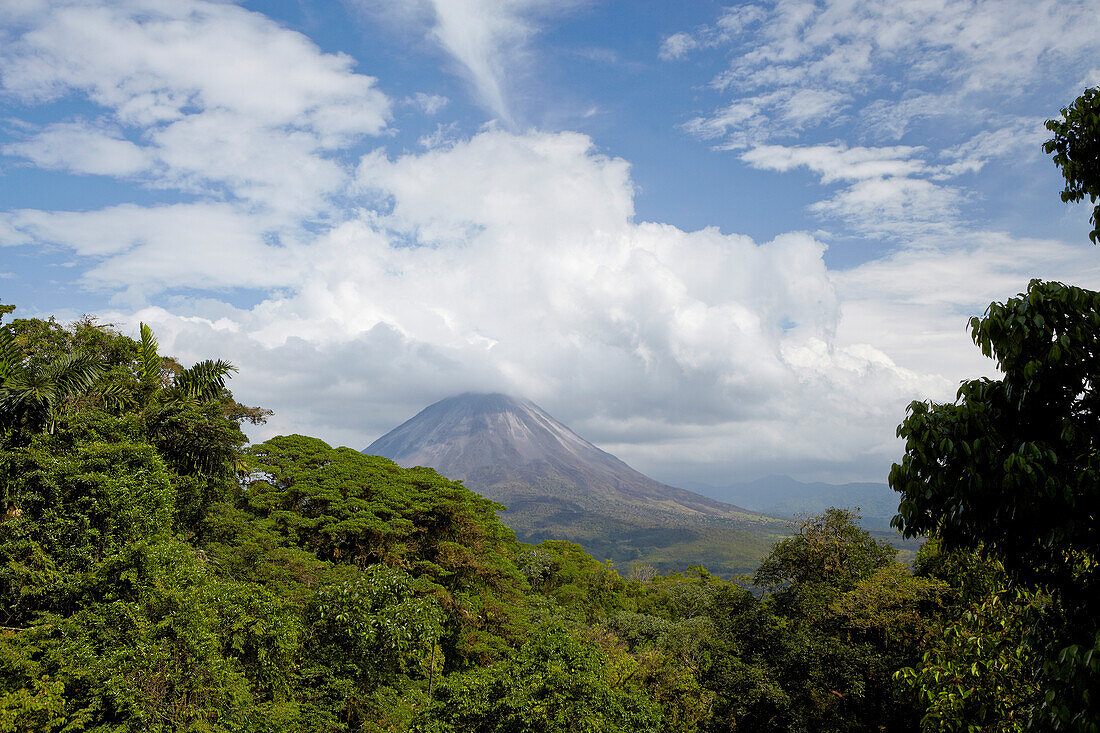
(785, 496)
(557, 485)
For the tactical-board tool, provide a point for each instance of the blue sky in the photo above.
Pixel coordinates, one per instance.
(720, 241)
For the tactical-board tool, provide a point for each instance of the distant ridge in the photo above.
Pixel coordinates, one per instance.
(557, 485)
(784, 496)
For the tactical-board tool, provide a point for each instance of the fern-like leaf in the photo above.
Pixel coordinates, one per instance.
(204, 381)
(150, 360)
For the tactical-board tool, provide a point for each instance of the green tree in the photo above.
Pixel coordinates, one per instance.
(161, 382)
(818, 652)
(827, 555)
(32, 395)
(556, 683)
(365, 634)
(1011, 466)
(110, 622)
(349, 508)
(977, 670)
(1076, 150)
(1011, 469)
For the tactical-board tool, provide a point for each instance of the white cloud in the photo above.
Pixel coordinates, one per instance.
(838, 162)
(806, 62)
(732, 23)
(885, 194)
(142, 251)
(895, 207)
(895, 191)
(971, 156)
(83, 147)
(891, 119)
(509, 261)
(514, 262)
(482, 35)
(488, 40)
(677, 46)
(743, 113)
(914, 304)
(811, 105)
(430, 103)
(203, 96)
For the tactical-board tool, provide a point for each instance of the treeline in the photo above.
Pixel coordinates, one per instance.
(159, 575)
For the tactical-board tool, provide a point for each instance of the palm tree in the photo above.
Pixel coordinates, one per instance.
(172, 407)
(202, 382)
(33, 395)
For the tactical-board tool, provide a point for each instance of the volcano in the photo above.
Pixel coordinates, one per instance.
(557, 485)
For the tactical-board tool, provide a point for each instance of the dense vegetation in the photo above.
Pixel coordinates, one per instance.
(158, 574)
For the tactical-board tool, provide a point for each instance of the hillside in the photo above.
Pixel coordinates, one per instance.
(784, 496)
(556, 485)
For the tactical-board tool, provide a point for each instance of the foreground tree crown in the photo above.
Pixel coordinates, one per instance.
(1011, 469)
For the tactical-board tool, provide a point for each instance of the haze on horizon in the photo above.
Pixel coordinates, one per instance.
(718, 242)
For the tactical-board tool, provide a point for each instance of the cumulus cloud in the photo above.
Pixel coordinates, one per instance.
(508, 262)
(915, 303)
(202, 96)
(514, 262)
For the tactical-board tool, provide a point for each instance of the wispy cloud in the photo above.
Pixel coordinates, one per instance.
(816, 85)
(83, 147)
(885, 193)
(897, 191)
(431, 104)
(483, 35)
(838, 162)
(487, 40)
(729, 25)
(808, 62)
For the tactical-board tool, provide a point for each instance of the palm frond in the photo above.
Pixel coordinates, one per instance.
(11, 360)
(116, 395)
(150, 359)
(204, 381)
(73, 374)
(28, 399)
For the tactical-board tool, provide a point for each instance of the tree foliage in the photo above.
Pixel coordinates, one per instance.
(1011, 465)
(33, 395)
(1011, 469)
(556, 683)
(1076, 151)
